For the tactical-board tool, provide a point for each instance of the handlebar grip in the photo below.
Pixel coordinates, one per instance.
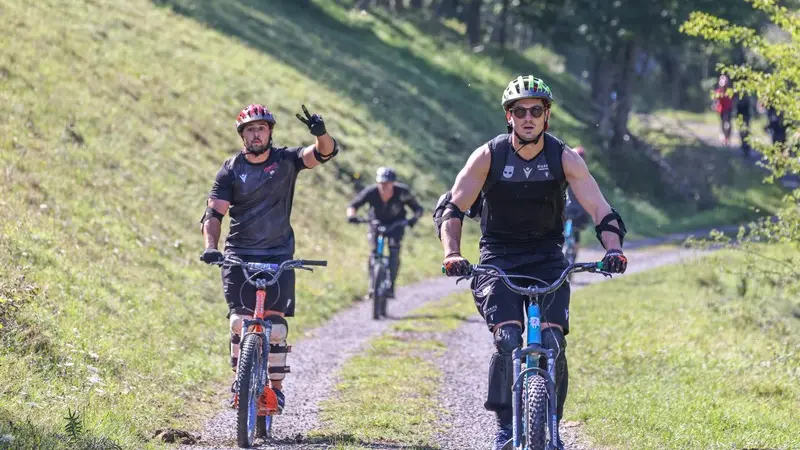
(311, 262)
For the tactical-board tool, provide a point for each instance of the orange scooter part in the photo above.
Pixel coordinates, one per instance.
(268, 403)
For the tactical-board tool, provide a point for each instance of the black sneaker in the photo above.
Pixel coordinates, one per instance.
(503, 437)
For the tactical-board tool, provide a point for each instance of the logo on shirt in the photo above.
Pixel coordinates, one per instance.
(527, 171)
(544, 168)
(243, 177)
(508, 171)
(270, 168)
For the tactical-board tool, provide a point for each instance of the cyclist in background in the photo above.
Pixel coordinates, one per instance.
(387, 200)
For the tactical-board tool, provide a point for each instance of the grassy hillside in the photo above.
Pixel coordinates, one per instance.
(114, 118)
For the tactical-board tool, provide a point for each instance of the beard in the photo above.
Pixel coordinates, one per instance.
(257, 149)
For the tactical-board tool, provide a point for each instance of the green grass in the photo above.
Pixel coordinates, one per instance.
(389, 394)
(114, 118)
(677, 358)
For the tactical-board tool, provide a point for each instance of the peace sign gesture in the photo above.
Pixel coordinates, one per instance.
(314, 122)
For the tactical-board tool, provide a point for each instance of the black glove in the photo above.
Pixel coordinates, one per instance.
(412, 221)
(353, 219)
(314, 122)
(211, 256)
(456, 266)
(615, 261)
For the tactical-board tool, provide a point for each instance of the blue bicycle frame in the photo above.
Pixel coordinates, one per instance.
(379, 247)
(532, 351)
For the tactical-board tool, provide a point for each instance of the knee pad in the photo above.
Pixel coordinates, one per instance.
(507, 338)
(278, 347)
(553, 339)
(501, 379)
(501, 369)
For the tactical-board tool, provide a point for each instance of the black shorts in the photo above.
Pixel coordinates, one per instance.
(241, 295)
(497, 303)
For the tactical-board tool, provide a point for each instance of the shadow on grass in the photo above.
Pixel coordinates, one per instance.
(432, 108)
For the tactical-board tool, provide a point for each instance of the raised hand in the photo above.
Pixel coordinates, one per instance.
(314, 122)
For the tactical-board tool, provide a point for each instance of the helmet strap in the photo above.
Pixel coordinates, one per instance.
(261, 151)
(524, 141)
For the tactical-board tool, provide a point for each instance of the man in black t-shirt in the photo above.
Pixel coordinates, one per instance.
(387, 200)
(256, 186)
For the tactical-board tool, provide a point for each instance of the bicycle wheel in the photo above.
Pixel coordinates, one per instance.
(387, 284)
(248, 374)
(377, 290)
(535, 410)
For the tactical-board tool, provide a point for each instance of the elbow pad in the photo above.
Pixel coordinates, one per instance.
(444, 211)
(605, 225)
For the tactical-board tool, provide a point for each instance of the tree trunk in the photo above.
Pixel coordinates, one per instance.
(671, 64)
(627, 66)
(447, 8)
(474, 23)
(602, 82)
(503, 25)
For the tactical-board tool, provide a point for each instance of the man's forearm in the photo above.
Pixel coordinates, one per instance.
(609, 238)
(451, 237)
(211, 232)
(325, 144)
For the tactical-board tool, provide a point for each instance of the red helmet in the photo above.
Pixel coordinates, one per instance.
(579, 150)
(253, 113)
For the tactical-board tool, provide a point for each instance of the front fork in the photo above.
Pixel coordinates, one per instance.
(532, 351)
(265, 332)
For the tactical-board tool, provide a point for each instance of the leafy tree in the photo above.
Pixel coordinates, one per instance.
(777, 85)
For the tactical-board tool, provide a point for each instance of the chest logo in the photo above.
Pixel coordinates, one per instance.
(243, 177)
(508, 171)
(545, 168)
(527, 171)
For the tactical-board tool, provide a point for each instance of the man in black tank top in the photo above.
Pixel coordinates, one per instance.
(523, 178)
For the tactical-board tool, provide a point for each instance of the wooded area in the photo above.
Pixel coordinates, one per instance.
(629, 52)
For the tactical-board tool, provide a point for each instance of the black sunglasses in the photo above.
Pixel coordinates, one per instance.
(520, 112)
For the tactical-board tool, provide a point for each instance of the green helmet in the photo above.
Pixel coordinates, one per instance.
(526, 86)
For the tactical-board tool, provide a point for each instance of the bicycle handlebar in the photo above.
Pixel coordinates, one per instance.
(377, 223)
(273, 269)
(532, 291)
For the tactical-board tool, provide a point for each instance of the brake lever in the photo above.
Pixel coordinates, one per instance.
(305, 268)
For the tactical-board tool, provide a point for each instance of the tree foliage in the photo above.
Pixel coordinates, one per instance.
(776, 83)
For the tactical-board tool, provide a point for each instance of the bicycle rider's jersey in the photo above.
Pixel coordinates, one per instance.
(391, 211)
(524, 209)
(261, 201)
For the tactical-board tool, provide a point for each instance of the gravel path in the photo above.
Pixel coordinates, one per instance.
(347, 333)
(310, 381)
(467, 425)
